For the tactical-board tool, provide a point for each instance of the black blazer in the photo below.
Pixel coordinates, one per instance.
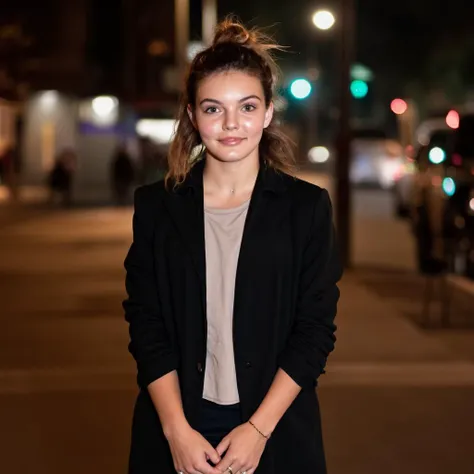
(285, 304)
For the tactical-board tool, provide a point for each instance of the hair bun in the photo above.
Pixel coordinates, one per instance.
(230, 31)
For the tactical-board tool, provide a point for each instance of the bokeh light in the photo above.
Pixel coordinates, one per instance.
(398, 106)
(359, 89)
(449, 186)
(437, 155)
(300, 88)
(323, 19)
(318, 154)
(452, 119)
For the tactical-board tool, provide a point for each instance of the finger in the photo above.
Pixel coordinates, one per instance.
(206, 468)
(227, 462)
(237, 467)
(223, 446)
(194, 471)
(212, 454)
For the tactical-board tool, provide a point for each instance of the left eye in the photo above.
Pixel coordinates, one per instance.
(249, 107)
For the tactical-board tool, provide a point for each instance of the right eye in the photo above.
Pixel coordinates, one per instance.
(211, 110)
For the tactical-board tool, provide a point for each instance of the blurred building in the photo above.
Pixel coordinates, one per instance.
(149, 73)
(44, 46)
(56, 57)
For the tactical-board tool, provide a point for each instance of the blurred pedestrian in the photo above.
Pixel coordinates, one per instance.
(61, 177)
(122, 175)
(228, 356)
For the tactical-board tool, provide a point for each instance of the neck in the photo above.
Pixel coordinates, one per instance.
(230, 177)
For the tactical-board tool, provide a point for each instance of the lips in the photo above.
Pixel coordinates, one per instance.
(231, 141)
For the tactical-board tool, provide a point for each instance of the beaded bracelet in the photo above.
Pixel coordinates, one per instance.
(265, 436)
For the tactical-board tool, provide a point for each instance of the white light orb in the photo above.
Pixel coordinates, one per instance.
(318, 154)
(300, 88)
(323, 19)
(49, 99)
(437, 155)
(104, 106)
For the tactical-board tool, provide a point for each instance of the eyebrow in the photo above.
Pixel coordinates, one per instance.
(215, 101)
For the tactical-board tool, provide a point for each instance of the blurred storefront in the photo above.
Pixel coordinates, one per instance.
(91, 128)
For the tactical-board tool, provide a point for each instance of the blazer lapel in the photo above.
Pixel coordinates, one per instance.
(264, 208)
(186, 208)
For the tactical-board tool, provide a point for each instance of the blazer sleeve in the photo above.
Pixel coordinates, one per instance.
(312, 338)
(149, 342)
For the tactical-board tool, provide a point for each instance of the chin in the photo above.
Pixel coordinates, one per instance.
(230, 156)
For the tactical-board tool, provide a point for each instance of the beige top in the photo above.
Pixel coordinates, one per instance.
(223, 232)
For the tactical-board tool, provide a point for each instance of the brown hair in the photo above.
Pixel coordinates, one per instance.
(234, 49)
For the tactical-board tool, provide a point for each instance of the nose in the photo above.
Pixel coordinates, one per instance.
(231, 121)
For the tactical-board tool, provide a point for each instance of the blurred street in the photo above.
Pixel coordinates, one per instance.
(395, 399)
(97, 98)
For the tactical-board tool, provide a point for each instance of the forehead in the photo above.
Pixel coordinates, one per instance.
(229, 85)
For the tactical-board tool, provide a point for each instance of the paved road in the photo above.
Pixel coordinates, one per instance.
(396, 398)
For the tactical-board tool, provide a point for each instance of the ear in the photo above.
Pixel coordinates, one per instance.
(268, 115)
(191, 115)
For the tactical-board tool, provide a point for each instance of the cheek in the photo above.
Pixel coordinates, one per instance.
(208, 128)
(253, 125)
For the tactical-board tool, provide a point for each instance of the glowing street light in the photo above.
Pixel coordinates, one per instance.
(359, 89)
(318, 154)
(104, 106)
(300, 88)
(437, 155)
(323, 20)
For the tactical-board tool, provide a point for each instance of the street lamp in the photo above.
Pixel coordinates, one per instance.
(323, 20)
(300, 88)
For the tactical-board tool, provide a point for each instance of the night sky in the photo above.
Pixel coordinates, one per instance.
(394, 38)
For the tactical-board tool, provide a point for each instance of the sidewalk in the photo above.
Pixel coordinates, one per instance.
(33, 201)
(395, 399)
(373, 334)
(38, 196)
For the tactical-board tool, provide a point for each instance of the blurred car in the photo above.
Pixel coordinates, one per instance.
(443, 188)
(403, 185)
(375, 159)
(460, 174)
(434, 151)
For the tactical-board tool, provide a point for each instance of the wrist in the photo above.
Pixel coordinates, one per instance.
(264, 430)
(175, 426)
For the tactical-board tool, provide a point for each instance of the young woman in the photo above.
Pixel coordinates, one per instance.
(231, 281)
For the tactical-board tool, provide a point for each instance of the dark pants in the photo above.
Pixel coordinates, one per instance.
(217, 421)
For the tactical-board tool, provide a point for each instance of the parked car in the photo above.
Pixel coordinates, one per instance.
(434, 148)
(443, 192)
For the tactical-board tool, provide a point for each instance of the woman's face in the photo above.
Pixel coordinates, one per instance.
(230, 115)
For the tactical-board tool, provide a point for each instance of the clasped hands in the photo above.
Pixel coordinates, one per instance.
(238, 453)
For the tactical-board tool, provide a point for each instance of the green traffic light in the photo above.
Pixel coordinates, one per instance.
(359, 89)
(300, 89)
